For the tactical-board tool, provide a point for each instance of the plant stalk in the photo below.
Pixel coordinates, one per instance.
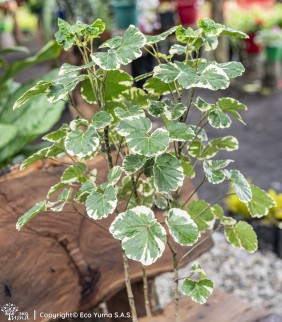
(146, 294)
(129, 289)
(176, 287)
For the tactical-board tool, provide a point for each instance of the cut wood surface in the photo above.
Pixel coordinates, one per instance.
(220, 307)
(61, 262)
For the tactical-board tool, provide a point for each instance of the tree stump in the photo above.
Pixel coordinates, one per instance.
(61, 262)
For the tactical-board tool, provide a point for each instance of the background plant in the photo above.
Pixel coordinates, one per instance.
(21, 127)
(149, 166)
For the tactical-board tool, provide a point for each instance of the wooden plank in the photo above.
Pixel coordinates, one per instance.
(220, 307)
(61, 262)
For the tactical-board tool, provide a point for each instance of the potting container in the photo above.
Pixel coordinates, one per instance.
(273, 54)
(125, 13)
(188, 11)
(251, 46)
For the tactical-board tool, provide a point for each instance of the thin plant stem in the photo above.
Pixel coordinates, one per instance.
(146, 294)
(71, 102)
(108, 147)
(194, 192)
(176, 287)
(129, 288)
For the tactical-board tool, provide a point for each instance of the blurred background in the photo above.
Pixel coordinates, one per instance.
(28, 53)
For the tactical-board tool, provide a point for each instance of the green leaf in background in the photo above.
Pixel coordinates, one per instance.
(242, 236)
(182, 227)
(50, 51)
(198, 290)
(218, 119)
(200, 211)
(102, 119)
(143, 238)
(261, 202)
(133, 162)
(180, 132)
(168, 173)
(214, 170)
(123, 50)
(155, 86)
(232, 106)
(81, 143)
(8, 133)
(114, 175)
(85, 190)
(101, 203)
(35, 210)
(188, 169)
(161, 201)
(240, 185)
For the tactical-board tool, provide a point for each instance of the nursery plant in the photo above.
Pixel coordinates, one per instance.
(150, 146)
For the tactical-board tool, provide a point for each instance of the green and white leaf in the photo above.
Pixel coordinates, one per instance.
(240, 185)
(232, 69)
(160, 201)
(198, 290)
(218, 119)
(242, 236)
(101, 203)
(235, 33)
(140, 142)
(200, 211)
(261, 202)
(58, 134)
(31, 213)
(177, 49)
(56, 188)
(188, 169)
(232, 106)
(81, 143)
(143, 238)
(114, 175)
(85, 190)
(63, 198)
(202, 105)
(101, 119)
(132, 124)
(180, 132)
(131, 111)
(74, 173)
(182, 227)
(133, 163)
(154, 39)
(214, 170)
(168, 173)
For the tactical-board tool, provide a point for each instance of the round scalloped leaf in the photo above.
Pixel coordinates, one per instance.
(74, 173)
(102, 119)
(182, 227)
(261, 202)
(129, 111)
(133, 162)
(213, 170)
(132, 124)
(141, 142)
(85, 190)
(81, 143)
(242, 236)
(168, 173)
(180, 132)
(232, 69)
(202, 214)
(218, 119)
(198, 290)
(101, 203)
(143, 238)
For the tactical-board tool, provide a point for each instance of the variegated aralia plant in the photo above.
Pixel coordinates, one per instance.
(150, 165)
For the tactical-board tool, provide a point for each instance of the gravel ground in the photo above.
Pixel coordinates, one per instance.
(254, 278)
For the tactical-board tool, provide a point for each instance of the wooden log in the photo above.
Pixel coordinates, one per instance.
(220, 307)
(61, 262)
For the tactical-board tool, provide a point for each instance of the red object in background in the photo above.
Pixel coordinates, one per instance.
(188, 11)
(251, 46)
(250, 3)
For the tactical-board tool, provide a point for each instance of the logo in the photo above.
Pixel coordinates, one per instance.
(11, 311)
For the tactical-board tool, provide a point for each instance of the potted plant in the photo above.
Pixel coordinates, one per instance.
(125, 13)
(188, 11)
(268, 228)
(271, 40)
(150, 167)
